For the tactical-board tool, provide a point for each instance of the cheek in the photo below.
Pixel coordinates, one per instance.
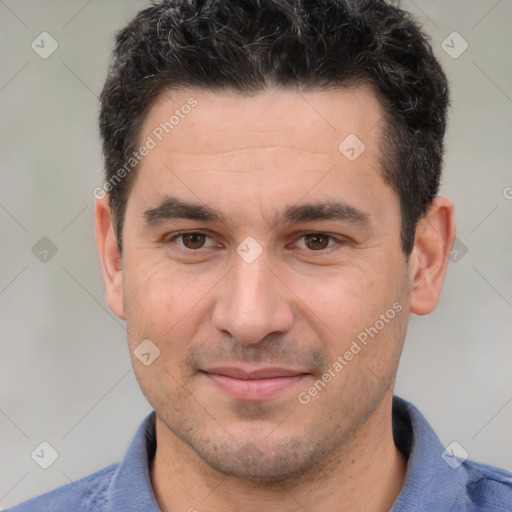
(160, 305)
(151, 282)
(163, 301)
(342, 298)
(351, 302)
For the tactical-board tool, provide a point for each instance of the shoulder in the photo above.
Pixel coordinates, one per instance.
(88, 493)
(438, 481)
(488, 487)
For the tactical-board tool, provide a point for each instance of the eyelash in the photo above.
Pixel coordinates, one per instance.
(175, 236)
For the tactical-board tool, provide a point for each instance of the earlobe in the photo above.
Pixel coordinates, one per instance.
(110, 256)
(428, 263)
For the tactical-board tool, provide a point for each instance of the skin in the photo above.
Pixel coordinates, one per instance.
(300, 304)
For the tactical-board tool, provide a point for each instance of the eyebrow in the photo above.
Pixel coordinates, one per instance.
(329, 210)
(175, 208)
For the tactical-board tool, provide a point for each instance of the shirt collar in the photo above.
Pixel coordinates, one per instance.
(430, 483)
(130, 489)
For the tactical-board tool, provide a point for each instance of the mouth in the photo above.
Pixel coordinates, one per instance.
(254, 384)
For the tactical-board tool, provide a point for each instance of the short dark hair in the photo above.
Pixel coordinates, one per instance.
(250, 45)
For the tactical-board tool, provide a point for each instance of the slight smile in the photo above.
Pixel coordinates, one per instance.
(258, 384)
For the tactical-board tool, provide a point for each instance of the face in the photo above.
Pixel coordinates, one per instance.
(263, 260)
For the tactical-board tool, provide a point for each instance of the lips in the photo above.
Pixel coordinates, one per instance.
(262, 373)
(254, 384)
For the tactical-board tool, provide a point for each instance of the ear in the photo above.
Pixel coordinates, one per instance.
(109, 255)
(433, 243)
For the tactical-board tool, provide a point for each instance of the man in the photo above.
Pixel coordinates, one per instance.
(268, 222)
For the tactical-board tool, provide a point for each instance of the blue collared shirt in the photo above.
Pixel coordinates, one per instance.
(435, 480)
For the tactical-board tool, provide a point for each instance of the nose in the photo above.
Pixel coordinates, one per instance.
(252, 302)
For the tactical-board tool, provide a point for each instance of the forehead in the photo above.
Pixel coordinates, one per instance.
(224, 121)
(273, 145)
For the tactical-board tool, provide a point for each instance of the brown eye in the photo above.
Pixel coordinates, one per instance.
(193, 240)
(316, 241)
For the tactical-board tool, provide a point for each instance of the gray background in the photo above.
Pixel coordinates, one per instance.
(65, 374)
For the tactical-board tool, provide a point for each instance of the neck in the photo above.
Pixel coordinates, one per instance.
(365, 473)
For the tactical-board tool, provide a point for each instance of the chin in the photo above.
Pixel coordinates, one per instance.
(260, 459)
(250, 463)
